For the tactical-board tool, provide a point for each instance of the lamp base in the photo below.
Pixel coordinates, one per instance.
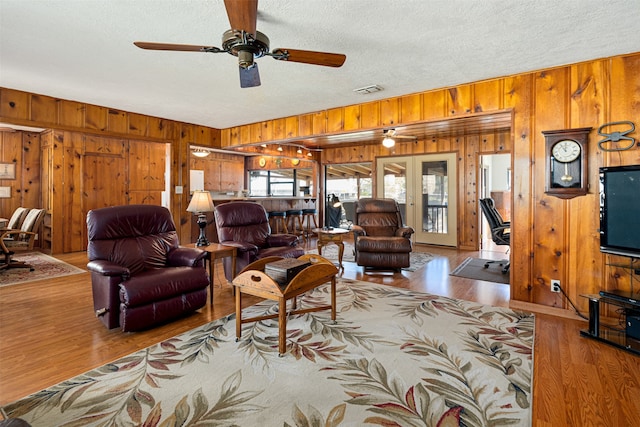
(202, 238)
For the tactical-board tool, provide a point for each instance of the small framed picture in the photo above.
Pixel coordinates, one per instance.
(7, 171)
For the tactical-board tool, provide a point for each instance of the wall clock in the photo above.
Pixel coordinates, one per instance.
(262, 162)
(566, 162)
(295, 162)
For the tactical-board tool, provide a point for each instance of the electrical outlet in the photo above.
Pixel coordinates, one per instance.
(555, 286)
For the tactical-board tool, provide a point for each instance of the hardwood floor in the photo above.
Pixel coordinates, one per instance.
(48, 333)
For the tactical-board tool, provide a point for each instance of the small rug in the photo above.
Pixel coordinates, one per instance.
(473, 268)
(330, 252)
(46, 267)
(393, 357)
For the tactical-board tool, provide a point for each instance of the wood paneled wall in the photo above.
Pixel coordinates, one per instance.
(23, 150)
(552, 238)
(28, 109)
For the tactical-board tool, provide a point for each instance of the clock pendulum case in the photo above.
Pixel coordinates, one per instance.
(566, 162)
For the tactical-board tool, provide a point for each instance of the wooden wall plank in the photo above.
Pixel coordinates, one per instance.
(370, 115)
(411, 108)
(352, 118)
(43, 109)
(14, 104)
(96, 117)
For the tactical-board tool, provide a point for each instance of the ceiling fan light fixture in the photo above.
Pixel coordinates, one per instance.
(388, 142)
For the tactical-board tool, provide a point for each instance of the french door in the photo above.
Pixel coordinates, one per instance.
(425, 188)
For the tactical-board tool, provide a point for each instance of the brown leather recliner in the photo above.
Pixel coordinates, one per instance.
(379, 237)
(245, 225)
(139, 275)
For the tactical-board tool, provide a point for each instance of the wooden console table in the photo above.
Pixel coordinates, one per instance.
(253, 281)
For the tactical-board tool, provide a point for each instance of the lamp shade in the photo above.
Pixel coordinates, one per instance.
(200, 202)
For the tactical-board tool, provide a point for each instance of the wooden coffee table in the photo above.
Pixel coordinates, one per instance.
(253, 281)
(333, 235)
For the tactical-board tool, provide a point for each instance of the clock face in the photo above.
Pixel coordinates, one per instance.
(566, 150)
(262, 162)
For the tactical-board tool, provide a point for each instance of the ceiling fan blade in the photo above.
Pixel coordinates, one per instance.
(242, 15)
(310, 57)
(249, 77)
(176, 47)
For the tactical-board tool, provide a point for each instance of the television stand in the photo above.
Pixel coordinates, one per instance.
(626, 335)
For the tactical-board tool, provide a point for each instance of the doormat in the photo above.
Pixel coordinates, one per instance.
(473, 268)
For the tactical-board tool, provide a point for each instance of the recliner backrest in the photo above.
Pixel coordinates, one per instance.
(242, 222)
(138, 237)
(378, 217)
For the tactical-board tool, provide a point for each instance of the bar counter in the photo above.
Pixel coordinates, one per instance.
(269, 203)
(275, 203)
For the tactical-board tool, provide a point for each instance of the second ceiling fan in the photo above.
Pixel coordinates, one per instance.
(248, 44)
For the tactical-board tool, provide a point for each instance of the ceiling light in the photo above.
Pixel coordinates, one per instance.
(388, 142)
(299, 151)
(263, 145)
(199, 152)
(309, 154)
(279, 148)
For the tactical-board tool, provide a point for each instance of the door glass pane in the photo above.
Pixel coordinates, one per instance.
(435, 197)
(395, 184)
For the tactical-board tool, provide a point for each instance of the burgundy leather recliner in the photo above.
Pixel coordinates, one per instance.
(245, 225)
(380, 239)
(139, 275)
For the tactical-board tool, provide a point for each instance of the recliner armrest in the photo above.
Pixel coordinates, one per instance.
(277, 240)
(405, 232)
(108, 268)
(185, 257)
(358, 231)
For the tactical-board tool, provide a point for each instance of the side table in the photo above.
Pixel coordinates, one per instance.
(332, 235)
(216, 251)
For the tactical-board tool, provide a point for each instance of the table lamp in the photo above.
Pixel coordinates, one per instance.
(200, 204)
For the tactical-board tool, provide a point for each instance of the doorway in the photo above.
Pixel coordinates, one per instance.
(495, 182)
(425, 188)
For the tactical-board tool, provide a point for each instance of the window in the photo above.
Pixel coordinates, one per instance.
(279, 182)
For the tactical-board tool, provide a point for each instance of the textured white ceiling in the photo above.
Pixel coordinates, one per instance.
(83, 50)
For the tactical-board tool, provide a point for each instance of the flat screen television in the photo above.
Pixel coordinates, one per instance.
(620, 210)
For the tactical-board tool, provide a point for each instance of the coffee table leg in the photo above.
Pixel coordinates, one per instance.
(333, 298)
(320, 245)
(238, 313)
(282, 326)
(340, 251)
(212, 263)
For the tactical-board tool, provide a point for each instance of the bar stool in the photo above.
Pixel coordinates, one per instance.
(278, 219)
(308, 215)
(294, 221)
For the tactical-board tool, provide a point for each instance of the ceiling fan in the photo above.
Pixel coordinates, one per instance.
(390, 137)
(248, 44)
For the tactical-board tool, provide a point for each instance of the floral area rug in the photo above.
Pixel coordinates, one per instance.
(393, 357)
(330, 252)
(45, 267)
